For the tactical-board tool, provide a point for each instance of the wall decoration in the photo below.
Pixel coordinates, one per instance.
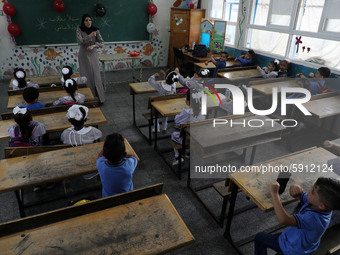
(241, 20)
(219, 36)
(206, 33)
(52, 54)
(14, 29)
(297, 43)
(187, 3)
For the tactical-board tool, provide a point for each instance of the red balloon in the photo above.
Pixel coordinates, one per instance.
(59, 5)
(14, 29)
(152, 9)
(9, 9)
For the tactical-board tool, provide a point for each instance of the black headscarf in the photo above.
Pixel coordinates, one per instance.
(85, 28)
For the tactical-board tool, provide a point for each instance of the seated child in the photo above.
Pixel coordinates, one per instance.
(219, 63)
(283, 71)
(74, 97)
(318, 83)
(308, 226)
(20, 80)
(300, 83)
(31, 96)
(27, 132)
(78, 134)
(271, 71)
(67, 74)
(115, 166)
(246, 59)
(196, 81)
(164, 88)
(192, 114)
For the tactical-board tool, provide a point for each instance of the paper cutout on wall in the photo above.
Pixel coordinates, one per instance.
(298, 41)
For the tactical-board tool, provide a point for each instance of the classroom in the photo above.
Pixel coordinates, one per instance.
(170, 127)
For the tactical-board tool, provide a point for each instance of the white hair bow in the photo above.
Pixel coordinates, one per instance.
(175, 78)
(205, 72)
(18, 110)
(276, 61)
(74, 112)
(68, 83)
(20, 74)
(65, 71)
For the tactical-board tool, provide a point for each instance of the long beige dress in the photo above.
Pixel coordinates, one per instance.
(89, 62)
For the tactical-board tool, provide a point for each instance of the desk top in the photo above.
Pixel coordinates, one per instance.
(211, 65)
(46, 81)
(55, 121)
(324, 107)
(267, 88)
(223, 138)
(240, 74)
(256, 185)
(146, 226)
(26, 171)
(170, 107)
(198, 59)
(145, 87)
(114, 57)
(47, 98)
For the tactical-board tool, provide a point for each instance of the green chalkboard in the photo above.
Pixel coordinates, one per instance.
(40, 24)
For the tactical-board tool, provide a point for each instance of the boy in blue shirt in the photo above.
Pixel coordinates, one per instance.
(308, 226)
(318, 83)
(115, 166)
(219, 63)
(246, 59)
(31, 96)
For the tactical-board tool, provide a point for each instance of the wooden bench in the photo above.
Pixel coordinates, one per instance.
(52, 109)
(42, 89)
(143, 221)
(12, 152)
(330, 242)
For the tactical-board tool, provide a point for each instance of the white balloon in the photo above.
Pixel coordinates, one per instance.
(150, 27)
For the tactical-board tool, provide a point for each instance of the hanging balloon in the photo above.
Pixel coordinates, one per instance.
(100, 10)
(59, 5)
(14, 29)
(150, 27)
(152, 9)
(9, 9)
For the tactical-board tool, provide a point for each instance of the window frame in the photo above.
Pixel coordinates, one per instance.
(291, 31)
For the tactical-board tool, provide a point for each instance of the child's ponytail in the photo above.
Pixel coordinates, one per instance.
(20, 76)
(70, 86)
(22, 117)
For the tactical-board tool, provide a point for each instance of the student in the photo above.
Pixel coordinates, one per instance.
(74, 97)
(318, 82)
(31, 96)
(219, 63)
(26, 132)
(192, 114)
(164, 88)
(19, 81)
(78, 134)
(246, 59)
(115, 166)
(67, 74)
(271, 71)
(300, 83)
(196, 81)
(283, 71)
(308, 226)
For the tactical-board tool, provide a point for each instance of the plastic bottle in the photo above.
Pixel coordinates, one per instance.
(193, 44)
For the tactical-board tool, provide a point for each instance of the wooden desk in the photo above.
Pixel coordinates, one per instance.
(267, 88)
(191, 58)
(147, 225)
(240, 74)
(46, 81)
(103, 58)
(143, 88)
(256, 185)
(210, 141)
(47, 98)
(325, 107)
(212, 66)
(42, 89)
(56, 121)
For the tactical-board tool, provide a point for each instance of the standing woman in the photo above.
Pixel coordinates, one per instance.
(89, 39)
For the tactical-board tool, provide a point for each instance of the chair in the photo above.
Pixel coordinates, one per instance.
(185, 69)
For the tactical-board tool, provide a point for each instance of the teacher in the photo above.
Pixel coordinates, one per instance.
(89, 39)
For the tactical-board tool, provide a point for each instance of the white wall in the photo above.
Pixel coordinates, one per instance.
(33, 59)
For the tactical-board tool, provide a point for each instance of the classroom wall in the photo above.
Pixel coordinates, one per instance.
(48, 60)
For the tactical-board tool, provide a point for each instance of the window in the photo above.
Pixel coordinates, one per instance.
(275, 28)
(226, 10)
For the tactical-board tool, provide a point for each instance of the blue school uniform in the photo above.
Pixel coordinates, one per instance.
(34, 106)
(305, 237)
(219, 65)
(245, 62)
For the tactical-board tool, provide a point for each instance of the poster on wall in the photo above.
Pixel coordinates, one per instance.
(219, 36)
(206, 34)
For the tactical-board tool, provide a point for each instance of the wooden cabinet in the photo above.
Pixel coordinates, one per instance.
(185, 27)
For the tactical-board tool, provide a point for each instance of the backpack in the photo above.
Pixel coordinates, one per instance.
(200, 51)
(17, 140)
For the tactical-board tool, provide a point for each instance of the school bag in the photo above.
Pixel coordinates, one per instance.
(18, 141)
(200, 51)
